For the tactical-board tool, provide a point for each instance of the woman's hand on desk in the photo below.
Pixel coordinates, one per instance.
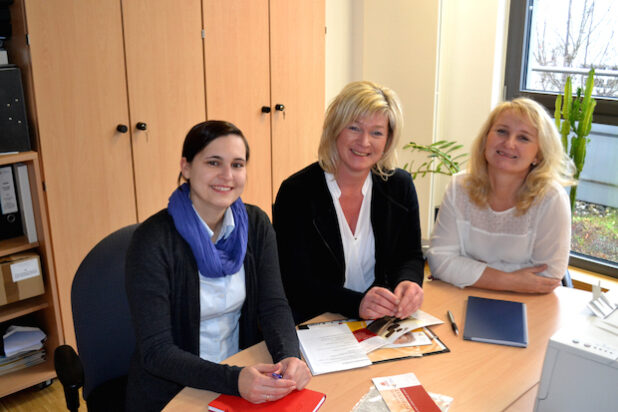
(257, 385)
(525, 280)
(296, 370)
(378, 302)
(410, 297)
(528, 280)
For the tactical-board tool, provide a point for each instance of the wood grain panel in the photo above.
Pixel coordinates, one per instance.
(236, 53)
(297, 41)
(34, 399)
(80, 89)
(165, 75)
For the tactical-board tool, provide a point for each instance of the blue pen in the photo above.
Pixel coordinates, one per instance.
(276, 375)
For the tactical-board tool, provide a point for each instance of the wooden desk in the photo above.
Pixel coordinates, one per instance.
(479, 376)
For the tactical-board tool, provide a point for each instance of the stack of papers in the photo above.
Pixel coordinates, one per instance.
(372, 401)
(19, 339)
(21, 361)
(404, 393)
(22, 346)
(390, 332)
(331, 348)
(341, 345)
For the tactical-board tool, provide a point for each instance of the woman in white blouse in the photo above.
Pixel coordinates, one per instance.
(506, 223)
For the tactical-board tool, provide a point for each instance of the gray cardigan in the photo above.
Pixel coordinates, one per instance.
(163, 291)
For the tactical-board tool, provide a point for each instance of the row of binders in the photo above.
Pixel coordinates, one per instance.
(17, 213)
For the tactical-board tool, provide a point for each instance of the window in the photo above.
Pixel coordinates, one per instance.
(549, 40)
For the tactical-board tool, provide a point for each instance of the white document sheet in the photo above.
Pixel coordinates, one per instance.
(331, 348)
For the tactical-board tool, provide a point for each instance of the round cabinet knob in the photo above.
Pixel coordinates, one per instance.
(265, 109)
(122, 128)
(279, 107)
(141, 126)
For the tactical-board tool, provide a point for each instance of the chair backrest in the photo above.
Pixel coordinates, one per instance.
(103, 329)
(566, 280)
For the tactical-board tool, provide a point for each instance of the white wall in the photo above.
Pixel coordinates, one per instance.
(444, 58)
(400, 51)
(472, 58)
(344, 45)
(393, 43)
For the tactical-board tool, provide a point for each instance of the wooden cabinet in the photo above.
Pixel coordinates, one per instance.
(267, 54)
(43, 310)
(297, 43)
(165, 78)
(90, 66)
(94, 65)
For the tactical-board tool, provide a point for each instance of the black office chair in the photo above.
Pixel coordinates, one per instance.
(566, 280)
(103, 329)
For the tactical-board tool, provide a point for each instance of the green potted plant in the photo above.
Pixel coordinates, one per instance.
(573, 115)
(441, 158)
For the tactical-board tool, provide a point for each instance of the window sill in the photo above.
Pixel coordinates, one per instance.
(584, 279)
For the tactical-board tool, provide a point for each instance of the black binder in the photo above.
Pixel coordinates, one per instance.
(14, 135)
(10, 217)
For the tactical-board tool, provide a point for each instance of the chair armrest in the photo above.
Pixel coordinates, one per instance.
(70, 373)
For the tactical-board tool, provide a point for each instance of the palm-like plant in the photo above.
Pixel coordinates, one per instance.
(440, 158)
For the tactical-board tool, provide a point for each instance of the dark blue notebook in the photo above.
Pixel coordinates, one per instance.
(496, 321)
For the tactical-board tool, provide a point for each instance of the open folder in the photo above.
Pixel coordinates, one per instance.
(341, 344)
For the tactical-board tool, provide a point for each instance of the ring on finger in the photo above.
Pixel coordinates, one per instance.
(267, 397)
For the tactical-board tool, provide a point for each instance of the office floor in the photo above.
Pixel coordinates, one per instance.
(51, 398)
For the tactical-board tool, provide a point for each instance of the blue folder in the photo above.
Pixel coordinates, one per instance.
(502, 322)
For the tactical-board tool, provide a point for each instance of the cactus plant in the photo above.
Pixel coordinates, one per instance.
(573, 116)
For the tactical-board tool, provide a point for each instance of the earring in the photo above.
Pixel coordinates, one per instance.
(534, 163)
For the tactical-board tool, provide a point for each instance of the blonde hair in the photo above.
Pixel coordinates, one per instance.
(553, 164)
(356, 100)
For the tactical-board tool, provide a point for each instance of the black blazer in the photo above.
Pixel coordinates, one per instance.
(310, 247)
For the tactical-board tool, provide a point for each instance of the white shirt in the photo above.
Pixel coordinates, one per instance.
(467, 239)
(358, 247)
(221, 300)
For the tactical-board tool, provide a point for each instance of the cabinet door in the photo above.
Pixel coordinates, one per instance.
(297, 43)
(236, 53)
(165, 75)
(78, 78)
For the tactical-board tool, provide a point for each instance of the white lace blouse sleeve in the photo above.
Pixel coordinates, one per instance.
(445, 258)
(552, 242)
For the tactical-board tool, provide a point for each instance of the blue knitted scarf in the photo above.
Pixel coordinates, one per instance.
(213, 260)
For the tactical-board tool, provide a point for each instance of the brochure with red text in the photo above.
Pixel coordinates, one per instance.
(403, 393)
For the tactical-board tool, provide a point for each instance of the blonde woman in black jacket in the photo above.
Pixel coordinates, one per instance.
(348, 229)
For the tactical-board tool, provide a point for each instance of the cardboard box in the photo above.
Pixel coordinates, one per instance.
(20, 277)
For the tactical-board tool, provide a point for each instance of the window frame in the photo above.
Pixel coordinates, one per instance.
(606, 110)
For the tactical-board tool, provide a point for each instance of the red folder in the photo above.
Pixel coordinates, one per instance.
(297, 401)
